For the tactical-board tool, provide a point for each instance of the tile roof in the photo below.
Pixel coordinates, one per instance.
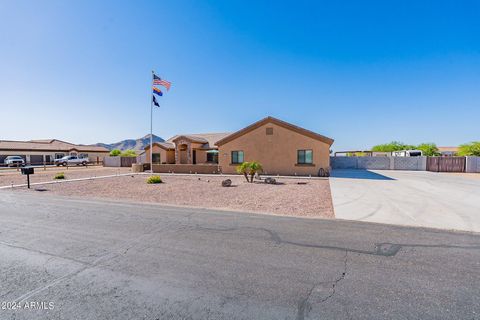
(47, 145)
(210, 139)
(165, 145)
(278, 122)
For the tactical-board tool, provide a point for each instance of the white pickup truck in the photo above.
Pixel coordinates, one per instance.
(71, 160)
(15, 161)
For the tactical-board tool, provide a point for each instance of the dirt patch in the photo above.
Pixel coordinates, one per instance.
(9, 177)
(312, 199)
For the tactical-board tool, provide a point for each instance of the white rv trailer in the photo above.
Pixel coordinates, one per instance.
(407, 153)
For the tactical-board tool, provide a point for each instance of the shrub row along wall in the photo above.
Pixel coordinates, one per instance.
(186, 168)
(379, 163)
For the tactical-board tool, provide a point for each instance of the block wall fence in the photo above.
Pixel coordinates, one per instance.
(394, 163)
(380, 163)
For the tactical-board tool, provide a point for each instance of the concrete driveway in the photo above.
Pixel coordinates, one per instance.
(413, 198)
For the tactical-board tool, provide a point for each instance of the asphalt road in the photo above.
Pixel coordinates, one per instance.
(105, 260)
(414, 198)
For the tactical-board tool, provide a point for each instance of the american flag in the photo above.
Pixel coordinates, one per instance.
(157, 81)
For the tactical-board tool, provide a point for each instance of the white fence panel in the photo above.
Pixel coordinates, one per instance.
(473, 165)
(112, 162)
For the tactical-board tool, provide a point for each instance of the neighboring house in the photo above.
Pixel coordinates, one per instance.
(448, 151)
(46, 151)
(282, 148)
(196, 148)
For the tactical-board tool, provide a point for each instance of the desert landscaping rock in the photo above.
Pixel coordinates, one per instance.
(285, 198)
(270, 180)
(226, 183)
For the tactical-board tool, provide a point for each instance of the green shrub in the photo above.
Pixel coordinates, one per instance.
(392, 146)
(255, 167)
(429, 149)
(470, 149)
(154, 179)
(115, 153)
(244, 169)
(59, 176)
(128, 153)
(249, 168)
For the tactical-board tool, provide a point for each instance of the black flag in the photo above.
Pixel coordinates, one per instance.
(155, 102)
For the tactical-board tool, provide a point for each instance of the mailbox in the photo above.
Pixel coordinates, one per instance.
(27, 170)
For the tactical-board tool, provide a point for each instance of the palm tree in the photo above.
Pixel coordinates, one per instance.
(244, 169)
(255, 167)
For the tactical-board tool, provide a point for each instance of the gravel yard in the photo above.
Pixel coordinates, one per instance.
(310, 198)
(12, 176)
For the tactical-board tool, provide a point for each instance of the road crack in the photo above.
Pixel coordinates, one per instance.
(304, 306)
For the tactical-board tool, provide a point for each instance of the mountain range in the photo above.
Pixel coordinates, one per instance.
(134, 144)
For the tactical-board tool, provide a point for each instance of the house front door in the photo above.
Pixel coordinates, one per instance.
(194, 156)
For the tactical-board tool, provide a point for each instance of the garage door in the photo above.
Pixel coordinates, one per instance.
(36, 159)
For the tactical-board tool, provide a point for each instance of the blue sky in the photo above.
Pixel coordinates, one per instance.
(361, 72)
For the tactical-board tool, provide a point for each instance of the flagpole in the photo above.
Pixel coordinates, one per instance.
(151, 126)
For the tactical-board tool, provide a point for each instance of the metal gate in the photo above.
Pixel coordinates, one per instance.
(446, 164)
(127, 161)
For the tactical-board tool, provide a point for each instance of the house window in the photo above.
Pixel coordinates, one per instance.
(59, 155)
(212, 157)
(83, 155)
(304, 156)
(269, 131)
(156, 158)
(237, 157)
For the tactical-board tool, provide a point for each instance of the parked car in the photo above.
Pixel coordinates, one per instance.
(71, 160)
(14, 161)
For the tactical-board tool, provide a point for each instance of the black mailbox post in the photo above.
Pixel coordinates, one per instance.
(27, 171)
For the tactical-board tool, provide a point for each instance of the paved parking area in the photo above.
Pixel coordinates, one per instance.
(414, 198)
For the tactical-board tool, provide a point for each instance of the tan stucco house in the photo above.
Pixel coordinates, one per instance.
(448, 151)
(46, 151)
(282, 148)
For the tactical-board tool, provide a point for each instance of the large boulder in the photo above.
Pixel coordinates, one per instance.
(226, 183)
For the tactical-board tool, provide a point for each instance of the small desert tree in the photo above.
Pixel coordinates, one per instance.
(244, 169)
(392, 146)
(115, 153)
(429, 149)
(129, 153)
(255, 167)
(470, 149)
